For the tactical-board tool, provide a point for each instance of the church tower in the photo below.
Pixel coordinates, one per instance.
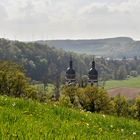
(93, 75)
(70, 74)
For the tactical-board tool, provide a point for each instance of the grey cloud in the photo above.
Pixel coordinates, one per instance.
(3, 13)
(72, 19)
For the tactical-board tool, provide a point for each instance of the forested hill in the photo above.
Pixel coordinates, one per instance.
(41, 62)
(111, 47)
(48, 64)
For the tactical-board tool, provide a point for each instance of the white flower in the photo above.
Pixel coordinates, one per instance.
(89, 112)
(134, 133)
(14, 104)
(111, 126)
(87, 124)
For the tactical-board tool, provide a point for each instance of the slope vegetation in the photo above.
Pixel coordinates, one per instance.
(20, 119)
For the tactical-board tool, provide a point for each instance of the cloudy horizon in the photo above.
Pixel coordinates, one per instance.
(69, 19)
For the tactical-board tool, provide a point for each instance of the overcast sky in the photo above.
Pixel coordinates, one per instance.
(69, 19)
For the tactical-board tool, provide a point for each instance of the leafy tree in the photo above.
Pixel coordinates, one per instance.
(121, 73)
(13, 82)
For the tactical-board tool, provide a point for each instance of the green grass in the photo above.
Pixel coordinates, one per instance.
(130, 83)
(24, 120)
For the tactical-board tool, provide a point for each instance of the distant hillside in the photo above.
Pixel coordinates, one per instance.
(111, 47)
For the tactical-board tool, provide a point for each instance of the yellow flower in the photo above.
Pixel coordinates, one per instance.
(100, 129)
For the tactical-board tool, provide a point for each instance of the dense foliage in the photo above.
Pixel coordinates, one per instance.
(95, 99)
(13, 82)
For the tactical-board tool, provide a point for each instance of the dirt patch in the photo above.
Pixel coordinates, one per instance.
(129, 93)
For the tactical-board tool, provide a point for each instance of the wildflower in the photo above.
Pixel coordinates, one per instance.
(100, 129)
(14, 104)
(111, 126)
(87, 124)
(89, 112)
(122, 130)
(134, 133)
(103, 115)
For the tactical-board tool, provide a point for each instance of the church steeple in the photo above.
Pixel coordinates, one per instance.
(70, 73)
(71, 63)
(93, 74)
(93, 64)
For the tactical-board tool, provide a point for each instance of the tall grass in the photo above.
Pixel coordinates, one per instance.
(24, 120)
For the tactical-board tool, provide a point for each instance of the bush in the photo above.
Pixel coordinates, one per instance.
(71, 92)
(65, 101)
(94, 99)
(13, 82)
(120, 106)
(133, 111)
(89, 98)
(138, 107)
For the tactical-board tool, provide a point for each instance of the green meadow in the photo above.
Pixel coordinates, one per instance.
(30, 120)
(130, 83)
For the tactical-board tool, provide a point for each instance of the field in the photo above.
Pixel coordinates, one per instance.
(23, 120)
(129, 83)
(129, 88)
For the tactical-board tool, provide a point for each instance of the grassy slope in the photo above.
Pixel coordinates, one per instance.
(20, 119)
(131, 83)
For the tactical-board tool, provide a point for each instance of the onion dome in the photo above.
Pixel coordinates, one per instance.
(70, 73)
(93, 73)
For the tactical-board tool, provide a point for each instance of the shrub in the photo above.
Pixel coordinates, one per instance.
(138, 107)
(120, 106)
(133, 111)
(89, 98)
(65, 101)
(13, 82)
(94, 99)
(71, 92)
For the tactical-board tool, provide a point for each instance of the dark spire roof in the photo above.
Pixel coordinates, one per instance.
(71, 63)
(70, 73)
(93, 73)
(93, 64)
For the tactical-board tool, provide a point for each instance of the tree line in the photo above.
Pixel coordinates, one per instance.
(48, 65)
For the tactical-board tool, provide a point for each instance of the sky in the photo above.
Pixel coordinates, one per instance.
(29, 20)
